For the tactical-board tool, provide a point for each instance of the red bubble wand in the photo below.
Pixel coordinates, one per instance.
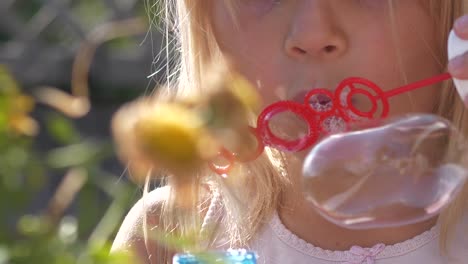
(337, 109)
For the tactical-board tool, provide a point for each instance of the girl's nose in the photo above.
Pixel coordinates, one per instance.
(315, 33)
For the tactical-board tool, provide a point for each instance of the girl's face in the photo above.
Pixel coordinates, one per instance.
(288, 47)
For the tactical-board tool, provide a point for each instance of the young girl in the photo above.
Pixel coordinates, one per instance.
(287, 47)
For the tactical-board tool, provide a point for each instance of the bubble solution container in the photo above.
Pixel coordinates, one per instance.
(238, 256)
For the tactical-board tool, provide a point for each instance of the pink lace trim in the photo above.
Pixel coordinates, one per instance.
(365, 255)
(356, 254)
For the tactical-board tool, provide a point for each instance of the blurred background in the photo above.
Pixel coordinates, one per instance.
(63, 191)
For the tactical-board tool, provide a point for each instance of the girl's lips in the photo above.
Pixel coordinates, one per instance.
(318, 99)
(322, 100)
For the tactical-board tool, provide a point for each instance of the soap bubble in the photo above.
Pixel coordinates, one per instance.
(388, 173)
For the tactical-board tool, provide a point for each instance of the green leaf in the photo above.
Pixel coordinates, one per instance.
(100, 255)
(4, 255)
(89, 210)
(8, 84)
(31, 225)
(76, 155)
(61, 129)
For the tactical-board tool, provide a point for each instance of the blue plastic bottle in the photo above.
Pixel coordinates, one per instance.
(226, 257)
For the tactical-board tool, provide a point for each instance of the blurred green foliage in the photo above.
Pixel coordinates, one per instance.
(54, 235)
(91, 12)
(27, 8)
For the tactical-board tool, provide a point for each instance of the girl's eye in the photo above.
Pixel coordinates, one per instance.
(372, 3)
(259, 6)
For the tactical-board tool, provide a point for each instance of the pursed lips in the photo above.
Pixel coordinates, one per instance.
(318, 99)
(321, 99)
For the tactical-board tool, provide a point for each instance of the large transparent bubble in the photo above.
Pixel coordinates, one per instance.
(399, 172)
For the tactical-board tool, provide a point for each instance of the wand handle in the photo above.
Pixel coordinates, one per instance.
(456, 47)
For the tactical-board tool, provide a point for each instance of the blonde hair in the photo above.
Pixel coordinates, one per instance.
(450, 107)
(197, 47)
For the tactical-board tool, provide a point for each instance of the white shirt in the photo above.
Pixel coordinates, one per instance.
(276, 244)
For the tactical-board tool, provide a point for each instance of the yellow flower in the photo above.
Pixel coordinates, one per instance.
(23, 124)
(16, 106)
(162, 136)
(181, 136)
(244, 91)
(22, 103)
(170, 135)
(230, 108)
